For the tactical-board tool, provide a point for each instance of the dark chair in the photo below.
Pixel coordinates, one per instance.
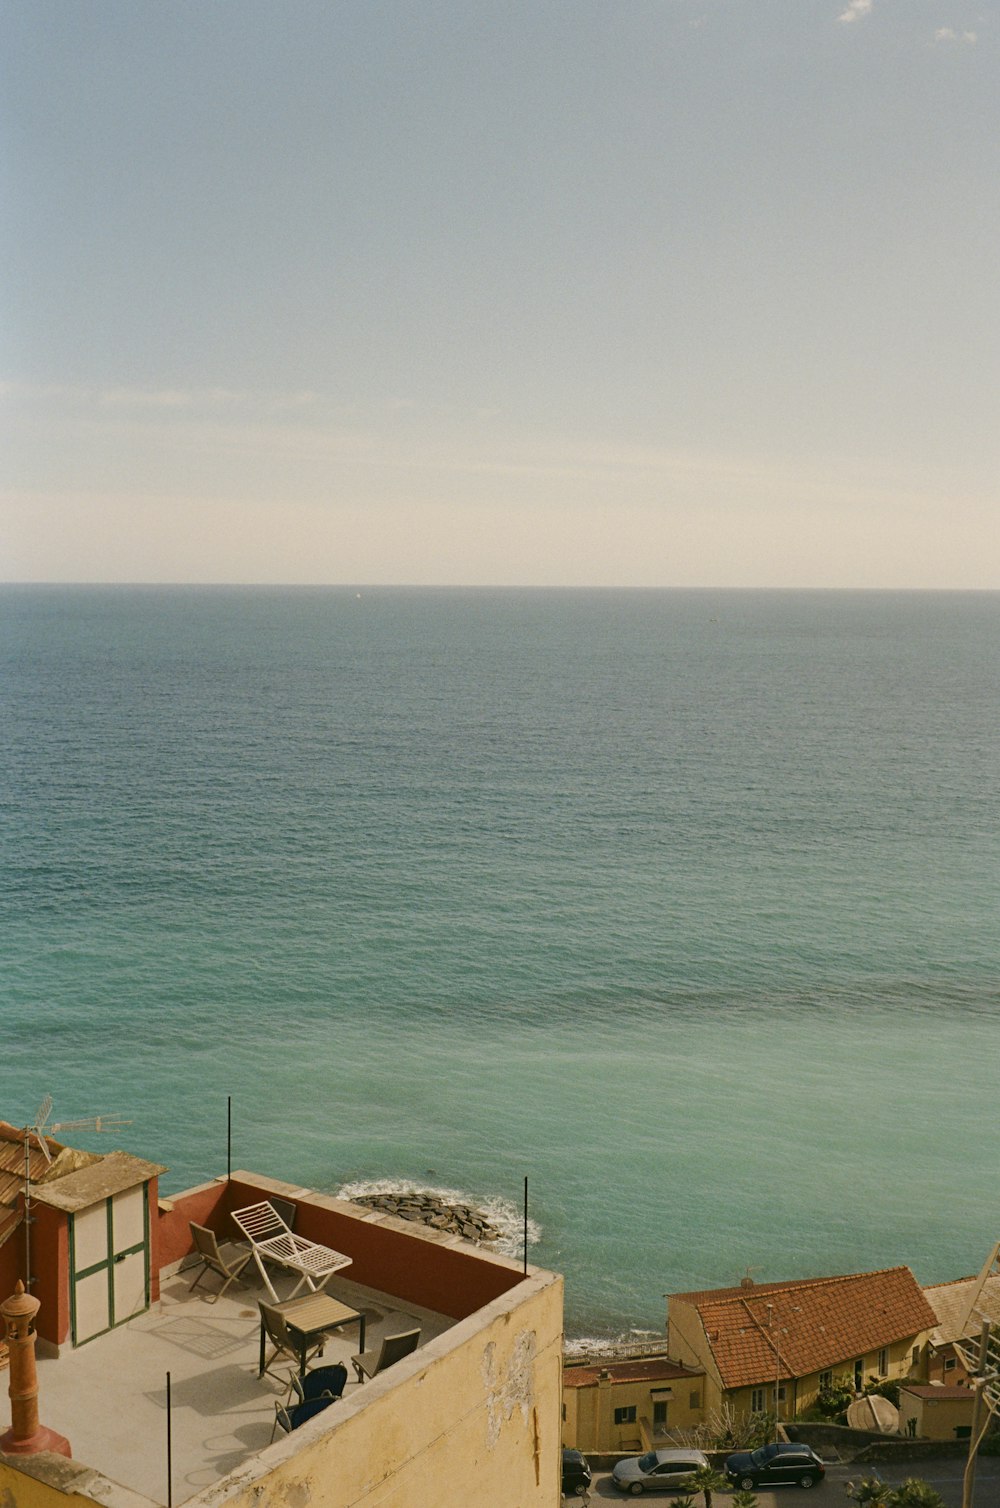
(392, 1349)
(289, 1419)
(286, 1209)
(276, 1331)
(321, 1382)
(227, 1260)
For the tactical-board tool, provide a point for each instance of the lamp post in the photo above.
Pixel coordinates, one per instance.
(777, 1365)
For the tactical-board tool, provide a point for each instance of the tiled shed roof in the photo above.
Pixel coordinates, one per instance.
(948, 1392)
(814, 1324)
(653, 1370)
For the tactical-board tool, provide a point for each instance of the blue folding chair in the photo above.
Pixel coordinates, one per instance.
(322, 1382)
(289, 1419)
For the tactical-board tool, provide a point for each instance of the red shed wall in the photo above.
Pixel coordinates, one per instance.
(50, 1271)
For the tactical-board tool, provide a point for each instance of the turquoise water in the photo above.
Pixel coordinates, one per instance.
(684, 905)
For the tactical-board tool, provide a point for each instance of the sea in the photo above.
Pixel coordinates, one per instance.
(681, 905)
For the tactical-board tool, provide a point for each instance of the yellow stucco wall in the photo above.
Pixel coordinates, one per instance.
(935, 1418)
(51, 1481)
(478, 1406)
(689, 1345)
(590, 1425)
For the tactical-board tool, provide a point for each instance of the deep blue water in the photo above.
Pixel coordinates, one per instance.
(684, 904)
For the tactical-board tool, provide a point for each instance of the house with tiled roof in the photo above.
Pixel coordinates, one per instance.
(950, 1302)
(791, 1339)
(611, 1406)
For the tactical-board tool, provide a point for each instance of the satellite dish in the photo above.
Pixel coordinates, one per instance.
(873, 1412)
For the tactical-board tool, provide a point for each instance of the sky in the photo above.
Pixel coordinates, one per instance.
(653, 293)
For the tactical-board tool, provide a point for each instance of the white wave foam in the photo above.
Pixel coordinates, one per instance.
(503, 1213)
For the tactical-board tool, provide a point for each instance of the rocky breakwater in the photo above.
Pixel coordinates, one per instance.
(430, 1209)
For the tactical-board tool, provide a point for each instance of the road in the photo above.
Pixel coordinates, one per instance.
(946, 1476)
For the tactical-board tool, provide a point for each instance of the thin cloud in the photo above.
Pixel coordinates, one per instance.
(855, 10)
(948, 34)
(169, 397)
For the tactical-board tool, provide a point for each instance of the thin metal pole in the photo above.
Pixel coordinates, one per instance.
(27, 1210)
(526, 1223)
(170, 1453)
(229, 1138)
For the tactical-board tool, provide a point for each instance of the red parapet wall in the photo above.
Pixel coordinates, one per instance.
(171, 1236)
(448, 1277)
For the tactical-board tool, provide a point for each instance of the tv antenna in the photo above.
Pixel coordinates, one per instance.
(42, 1129)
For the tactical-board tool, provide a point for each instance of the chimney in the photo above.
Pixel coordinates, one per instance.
(746, 1282)
(26, 1436)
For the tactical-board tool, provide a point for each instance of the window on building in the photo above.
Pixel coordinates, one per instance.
(781, 1393)
(694, 1402)
(626, 1415)
(915, 1356)
(883, 1362)
(950, 1363)
(826, 1379)
(758, 1402)
(660, 1415)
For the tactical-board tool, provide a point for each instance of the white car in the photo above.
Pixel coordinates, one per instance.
(658, 1470)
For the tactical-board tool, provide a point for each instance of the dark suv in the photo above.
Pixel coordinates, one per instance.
(575, 1474)
(798, 1465)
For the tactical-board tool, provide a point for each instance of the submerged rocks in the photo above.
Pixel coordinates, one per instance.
(430, 1209)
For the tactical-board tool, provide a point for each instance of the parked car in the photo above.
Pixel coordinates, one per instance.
(657, 1470)
(575, 1474)
(771, 1465)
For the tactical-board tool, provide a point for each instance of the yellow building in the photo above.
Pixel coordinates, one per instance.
(622, 1406)
(767, 1344)
(950, 1302)
(936, 1411)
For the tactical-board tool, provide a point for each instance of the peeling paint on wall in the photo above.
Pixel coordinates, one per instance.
(509, 1387)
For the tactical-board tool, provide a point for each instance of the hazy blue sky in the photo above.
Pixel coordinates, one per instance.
(652, 292)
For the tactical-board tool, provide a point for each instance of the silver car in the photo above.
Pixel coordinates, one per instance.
(658, 1470)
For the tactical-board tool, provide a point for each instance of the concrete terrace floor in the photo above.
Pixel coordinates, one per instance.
(108, 1397)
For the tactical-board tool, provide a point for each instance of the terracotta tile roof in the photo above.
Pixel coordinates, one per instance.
(12, 1160)
(658, 1370)
(948, 1390)
(818, 1323)
(950, 1301)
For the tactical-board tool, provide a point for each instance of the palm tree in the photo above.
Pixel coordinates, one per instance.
(915, 1493)
(745, 1498)
(869, 1493)
(707, 1480)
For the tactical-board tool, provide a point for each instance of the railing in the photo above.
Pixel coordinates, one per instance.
(622, 1351)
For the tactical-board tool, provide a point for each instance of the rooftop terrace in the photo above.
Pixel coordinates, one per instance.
(489, 1351)
(109, 1396)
